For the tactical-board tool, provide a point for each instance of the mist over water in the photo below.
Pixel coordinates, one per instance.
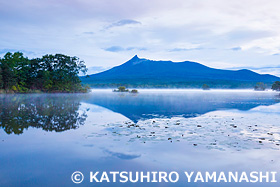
(181, 130)
(179, 102)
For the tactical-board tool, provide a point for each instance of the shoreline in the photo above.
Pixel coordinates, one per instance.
(146, 90)
(186, 90)
(9, 92)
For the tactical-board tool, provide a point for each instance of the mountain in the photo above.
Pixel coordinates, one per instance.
(140, 72)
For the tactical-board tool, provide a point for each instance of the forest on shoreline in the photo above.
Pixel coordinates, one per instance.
(51, 73)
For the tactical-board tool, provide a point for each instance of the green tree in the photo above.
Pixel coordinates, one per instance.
(134, 91)
(51, 73)
(35, 80)
(8, 71)
(205, 87)
(260, 86)
(122, 89)
(63, 72)
(276, 86)
(22, 66)
(1, 80)
(14, 71)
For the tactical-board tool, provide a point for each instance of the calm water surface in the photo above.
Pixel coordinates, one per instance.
(44, 138)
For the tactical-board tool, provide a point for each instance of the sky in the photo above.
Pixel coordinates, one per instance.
(105, 33)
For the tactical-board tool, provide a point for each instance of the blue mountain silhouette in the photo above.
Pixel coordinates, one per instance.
(140, 72)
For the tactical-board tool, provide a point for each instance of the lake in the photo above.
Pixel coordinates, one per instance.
(44, 138)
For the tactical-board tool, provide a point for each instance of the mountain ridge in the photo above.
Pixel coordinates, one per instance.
(141, 72)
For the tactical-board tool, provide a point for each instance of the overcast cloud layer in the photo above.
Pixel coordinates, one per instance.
(105, 33)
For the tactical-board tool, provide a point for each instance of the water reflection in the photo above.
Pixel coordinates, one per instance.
(165, 117)
(51, 112)
(60, 112)
(122, 155)
(222, 140)
(149, 105)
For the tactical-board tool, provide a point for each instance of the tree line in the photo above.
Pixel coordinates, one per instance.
(260, 86)
(50, 73)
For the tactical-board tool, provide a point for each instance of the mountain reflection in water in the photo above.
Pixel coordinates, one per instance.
(163, 139)
(149, 104)
(61, 112)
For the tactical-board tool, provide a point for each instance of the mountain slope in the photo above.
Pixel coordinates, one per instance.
(147, 73)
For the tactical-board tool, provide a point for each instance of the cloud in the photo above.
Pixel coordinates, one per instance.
(185, 49)
(114, 49)
(261, 68)
(248, 34)
(123, 22)
(273, 70)
(136, 48)
(96, 69)
(89, 33)
(236, 48)
(209, 32)
(119, 48)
